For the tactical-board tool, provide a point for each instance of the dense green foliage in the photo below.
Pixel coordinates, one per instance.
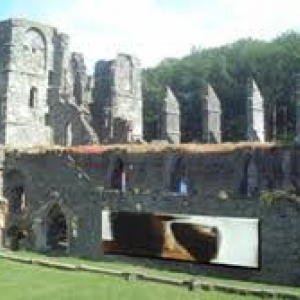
(272, 64)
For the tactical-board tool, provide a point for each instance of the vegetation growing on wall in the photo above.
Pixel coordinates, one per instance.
(270, 197)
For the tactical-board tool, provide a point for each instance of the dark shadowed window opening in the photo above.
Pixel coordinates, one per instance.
(17, 200)
(47, 119)
(118, 176)
(32, 97)
(249, 185)
(57, 229)
(14, 190)
(77, 89)
(178, 180)
(50, 77)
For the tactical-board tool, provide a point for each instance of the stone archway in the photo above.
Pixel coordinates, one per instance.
(52, 227)
(15, 193)
(35, 50)
(16, 215)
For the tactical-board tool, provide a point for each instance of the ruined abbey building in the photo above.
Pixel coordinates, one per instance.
(48, 98)
(117, 106)
(56, 196)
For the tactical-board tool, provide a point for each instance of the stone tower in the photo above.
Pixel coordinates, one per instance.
(117, 108)
(170, 122)
(211, 117)
(255, 113)
(42, 87)
(30, 72)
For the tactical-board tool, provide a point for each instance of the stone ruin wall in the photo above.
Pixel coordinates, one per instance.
(45, 92)
(117, 108)
(68, 109)
(26, 49)
(81, 182)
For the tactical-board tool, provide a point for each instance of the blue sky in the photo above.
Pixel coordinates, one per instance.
(156, 29)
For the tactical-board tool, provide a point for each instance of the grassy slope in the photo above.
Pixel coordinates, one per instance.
(116, 264)
(29, 282)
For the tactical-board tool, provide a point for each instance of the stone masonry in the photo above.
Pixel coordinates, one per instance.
(117, 107)
(255, 113)
(47, 97)
(53, 197)
(27, 51)
(41, 96)
(211, 116)
(170, 119)
(228, 181)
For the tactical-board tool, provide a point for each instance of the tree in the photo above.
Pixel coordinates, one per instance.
(227, 68)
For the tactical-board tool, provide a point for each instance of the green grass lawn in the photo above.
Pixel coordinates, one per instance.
(133, 266)
(24, 281)
(29, 282)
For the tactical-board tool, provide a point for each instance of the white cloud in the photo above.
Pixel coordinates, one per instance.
(153, 31)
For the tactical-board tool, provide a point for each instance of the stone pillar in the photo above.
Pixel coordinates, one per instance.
(211, 117)
(170, 122)
(79, 76)
(255, 113)
(297, 98)
(39, 231)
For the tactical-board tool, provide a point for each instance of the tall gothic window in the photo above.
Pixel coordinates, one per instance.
(35, 51)
(33, 97)
(118, 176)
(178, 178)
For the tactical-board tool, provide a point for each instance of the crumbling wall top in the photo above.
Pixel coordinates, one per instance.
(142, 148)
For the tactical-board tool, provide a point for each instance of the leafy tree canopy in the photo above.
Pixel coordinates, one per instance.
(272, 64)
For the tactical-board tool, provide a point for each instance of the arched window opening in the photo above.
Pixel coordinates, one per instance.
(33, 97)
(77, 89)
(17, 200)
(179, 180)
(57, 238)
(50, 78)
(35, 50)
(118, 176)
(15, 193)
(69, 135)
(249, 185)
